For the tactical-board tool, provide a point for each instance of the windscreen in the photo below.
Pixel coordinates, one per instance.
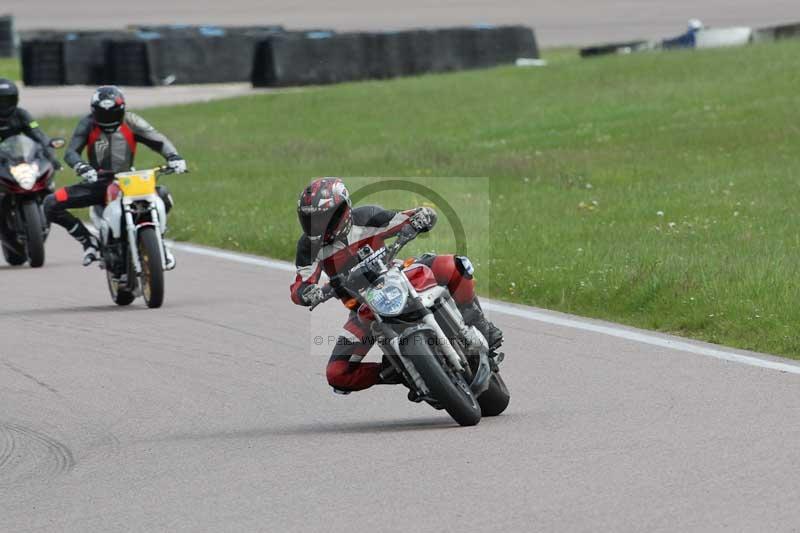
(18, 149)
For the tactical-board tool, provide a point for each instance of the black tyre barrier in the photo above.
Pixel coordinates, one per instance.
(86, 58)
(774, 33)
(128, 63)
(8, 37)
(614, 48)
(43, 62)
(183, 30)
(286, 60)
(183, 59)
(290, 60)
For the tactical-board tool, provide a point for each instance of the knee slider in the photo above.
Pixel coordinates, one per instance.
(464, 266)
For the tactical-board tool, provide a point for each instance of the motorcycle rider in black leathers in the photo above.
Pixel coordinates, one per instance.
(110, 136)
(15, 120)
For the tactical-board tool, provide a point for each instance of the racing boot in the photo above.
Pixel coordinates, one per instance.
(473, 316)
(169, 259)
(91, 250)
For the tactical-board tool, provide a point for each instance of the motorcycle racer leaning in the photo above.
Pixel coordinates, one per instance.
(15, 120)
(333, 232)
(110, 136)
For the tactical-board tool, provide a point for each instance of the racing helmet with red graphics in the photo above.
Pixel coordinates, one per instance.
(108, 108)
(324, 210)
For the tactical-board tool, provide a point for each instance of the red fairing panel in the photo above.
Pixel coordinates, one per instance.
(365, 314)
(421, 277)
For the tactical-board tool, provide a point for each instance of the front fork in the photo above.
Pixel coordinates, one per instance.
(133, 241)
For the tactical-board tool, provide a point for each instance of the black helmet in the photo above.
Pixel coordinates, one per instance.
(9, 97)
(108, 107)
(324, 210)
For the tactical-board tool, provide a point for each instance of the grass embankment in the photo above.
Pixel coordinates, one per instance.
(9, 68)
(657, 190)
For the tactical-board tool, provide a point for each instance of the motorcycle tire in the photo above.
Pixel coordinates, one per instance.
(449, 389)
(34, 233)
(495, 399)
(119, 296)
(152, 268)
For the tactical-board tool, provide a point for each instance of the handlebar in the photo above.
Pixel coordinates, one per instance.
(159, 170)
(406, 235)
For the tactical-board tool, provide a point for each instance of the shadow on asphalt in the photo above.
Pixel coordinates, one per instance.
(38, 271)
(45, 311)
(443, 422)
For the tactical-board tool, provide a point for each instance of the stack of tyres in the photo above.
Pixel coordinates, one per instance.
(86, 58)
(128, 63)
(295, 60)
(184, 59)
(43, 61)
(8, 37)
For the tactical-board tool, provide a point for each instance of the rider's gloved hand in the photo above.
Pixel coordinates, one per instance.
(312, 295)
(176, 163)
(86, 172)
(424, 219)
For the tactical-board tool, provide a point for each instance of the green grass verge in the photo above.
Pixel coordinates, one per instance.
(10, 68)
(655, 190)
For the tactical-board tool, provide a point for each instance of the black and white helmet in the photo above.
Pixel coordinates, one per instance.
(108, 108)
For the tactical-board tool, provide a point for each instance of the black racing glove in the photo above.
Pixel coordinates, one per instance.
(423, 220)
(312, 295)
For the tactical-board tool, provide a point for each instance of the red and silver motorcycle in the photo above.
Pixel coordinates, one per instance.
(421, 332)
(26, 177)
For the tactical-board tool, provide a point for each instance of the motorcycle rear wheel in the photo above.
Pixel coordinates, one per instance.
(495, 399)
(449, 389)
(152, 269)
(34, 233)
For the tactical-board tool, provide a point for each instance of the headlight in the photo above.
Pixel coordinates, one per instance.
(25, 174)
(389, 300)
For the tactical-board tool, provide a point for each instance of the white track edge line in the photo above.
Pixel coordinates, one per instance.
(538, 316)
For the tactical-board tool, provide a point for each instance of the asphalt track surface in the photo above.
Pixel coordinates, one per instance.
(74, 100)
(212, 414)
(557, 22)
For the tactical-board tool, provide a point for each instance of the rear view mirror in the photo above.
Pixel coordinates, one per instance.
(57, 142)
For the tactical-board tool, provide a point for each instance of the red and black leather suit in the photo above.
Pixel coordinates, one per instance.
(372, 225)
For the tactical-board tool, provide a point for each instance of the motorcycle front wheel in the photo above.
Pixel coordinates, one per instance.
(449, 388)
(34, 233)
(495, 399)
(152, 269)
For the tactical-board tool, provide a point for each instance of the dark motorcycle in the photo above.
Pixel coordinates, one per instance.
(26, 177)
(421, 332)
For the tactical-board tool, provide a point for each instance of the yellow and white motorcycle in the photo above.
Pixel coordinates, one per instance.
(132, 225)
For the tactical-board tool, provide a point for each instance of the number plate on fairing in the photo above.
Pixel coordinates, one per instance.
(137, 183)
